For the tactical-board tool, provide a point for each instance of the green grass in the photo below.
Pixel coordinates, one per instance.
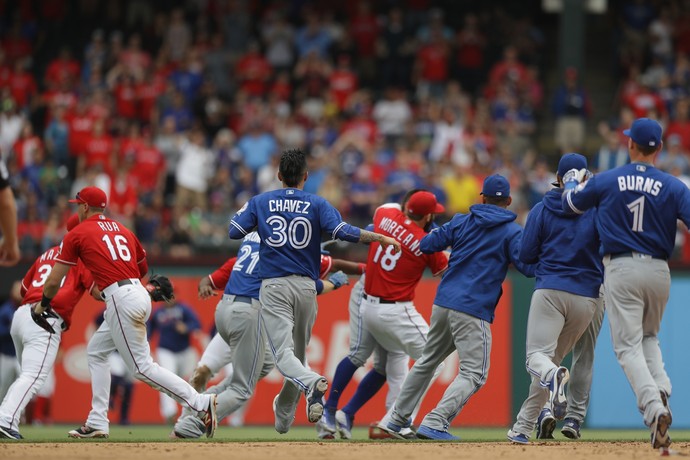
(157, 433)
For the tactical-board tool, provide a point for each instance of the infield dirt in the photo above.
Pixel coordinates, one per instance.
(334, 451)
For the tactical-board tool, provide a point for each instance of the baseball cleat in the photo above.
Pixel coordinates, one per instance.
(210, 418)
(409, 433)
(282, 425)
(9, 433)
(343, 423)
(425, 432)
(397, 431)
(557, 399)
(664, 400)
(571, 429)
(86, 432)
(328, 420)
(517, 438)
(315, 400)
(546, 424)
(660, 436)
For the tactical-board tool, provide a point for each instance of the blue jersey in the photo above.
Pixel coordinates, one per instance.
(244, 279)
(564, 246)
(290, 223)
(638, 207)
(483, 243)
(164, 320)
(6, 314)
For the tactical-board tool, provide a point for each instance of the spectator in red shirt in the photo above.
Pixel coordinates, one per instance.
(98, 150)
(22, 84)
(125, 94)
(311, 74)
(645, 100)
(281, 89)
(64, 69)
(680, 125)
(80, 128)
(253, 71)
(148, 167)
(343, 82)
(122, 199)
(131, 143)
(133, 58)
(431, 67)
(28, 150)
(58, 96)
(508, 70)
(469, 58)
(147, 92)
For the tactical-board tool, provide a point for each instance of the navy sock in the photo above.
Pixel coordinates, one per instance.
(368, 387)
(343, 375)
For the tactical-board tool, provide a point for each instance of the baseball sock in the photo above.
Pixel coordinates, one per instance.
(343, 375)
(370, 384)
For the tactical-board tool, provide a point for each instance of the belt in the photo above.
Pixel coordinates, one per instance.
(635, 254)
(238, 298)
(108, 290)
(374, 299)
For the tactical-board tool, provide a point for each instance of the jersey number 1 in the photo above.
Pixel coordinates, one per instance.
(637, 209)
(119, 250)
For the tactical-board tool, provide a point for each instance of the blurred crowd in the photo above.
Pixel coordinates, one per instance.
(179, 109)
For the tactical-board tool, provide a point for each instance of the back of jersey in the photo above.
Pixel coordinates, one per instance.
(108, 249)
(394, 276)
(244, 279)
(638, 209)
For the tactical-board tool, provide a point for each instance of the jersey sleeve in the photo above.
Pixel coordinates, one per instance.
(28, 278)
(581, 198)
(684, 206)
(437, 262)
(439, 238)
(69, 249)
(332, 223)
(220, 277)
(531, 236)
(514, 255)
(244, 221)
(326, 265)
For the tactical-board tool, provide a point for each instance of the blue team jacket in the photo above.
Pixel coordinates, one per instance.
(564, 246)
(164, 319)
(483, 243)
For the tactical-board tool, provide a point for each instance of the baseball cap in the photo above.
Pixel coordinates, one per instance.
(93, 196)
(72, 222)
(645, 131)
(570, 161)
(423, 203)
(496, 185)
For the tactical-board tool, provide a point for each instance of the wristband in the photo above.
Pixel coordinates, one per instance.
(362, 268)
(319, 287)
(45, 302)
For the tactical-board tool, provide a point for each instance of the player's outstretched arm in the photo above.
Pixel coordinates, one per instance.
(205, 288)
(51, 286)
(351, 268)
(385, 241)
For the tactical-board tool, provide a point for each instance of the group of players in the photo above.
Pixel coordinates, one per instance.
(611, 233)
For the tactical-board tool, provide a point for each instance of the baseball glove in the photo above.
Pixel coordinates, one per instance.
(41, 319)
(160, 288)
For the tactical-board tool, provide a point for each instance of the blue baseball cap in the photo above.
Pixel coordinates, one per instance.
(645, 131)
(570, 161)
(496, 185)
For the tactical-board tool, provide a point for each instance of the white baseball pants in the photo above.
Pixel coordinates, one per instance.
(180, 363)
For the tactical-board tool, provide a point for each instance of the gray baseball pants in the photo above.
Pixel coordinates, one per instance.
(450, 330)
(556, 321)
(288, 313)
(238, 323)
(582, 367)
(636, 290)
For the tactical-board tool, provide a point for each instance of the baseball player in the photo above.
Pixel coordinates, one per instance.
(569, 274)
(9, 367)
(176, 323)
(36, 339)
(484, 242)
(290, 224)
(387, 310)
(238, 323)
(393, 366)
(117, 262)
(638, 206)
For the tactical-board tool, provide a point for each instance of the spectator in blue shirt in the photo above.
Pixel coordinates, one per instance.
(257, 147)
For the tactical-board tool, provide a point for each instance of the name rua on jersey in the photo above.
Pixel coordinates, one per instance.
(401, 234)
(296, 206)
(639, 184)
(109, 226)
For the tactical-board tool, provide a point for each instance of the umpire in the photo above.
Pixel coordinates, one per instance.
(569, 274)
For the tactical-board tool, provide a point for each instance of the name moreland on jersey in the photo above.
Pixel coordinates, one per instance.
(294, 206)
(401, 234)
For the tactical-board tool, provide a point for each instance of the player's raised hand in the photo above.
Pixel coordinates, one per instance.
(388, 241)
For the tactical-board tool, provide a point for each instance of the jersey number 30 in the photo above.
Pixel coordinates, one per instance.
(637, 209)
(284, 233)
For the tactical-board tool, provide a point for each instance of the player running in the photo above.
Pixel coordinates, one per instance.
(484, 242)
(117, 261)
(290, 224)
(637, 211)
(569, 274)
(37, 345)
(387, 310)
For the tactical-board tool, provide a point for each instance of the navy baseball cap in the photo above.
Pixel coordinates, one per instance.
(570, 161)
(496, 185)
(645, 131)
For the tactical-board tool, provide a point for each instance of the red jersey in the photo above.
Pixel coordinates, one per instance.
(220, 277)
(149, 164)
(107, 248)
(80, 129)
(60, 71)
(99, 150)
(326, 265)
(147, 93)
(434, 62)
(125, 100)
(22, 87)
(395, 276)
(73, 286)
(28, 151)
(343, 83)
